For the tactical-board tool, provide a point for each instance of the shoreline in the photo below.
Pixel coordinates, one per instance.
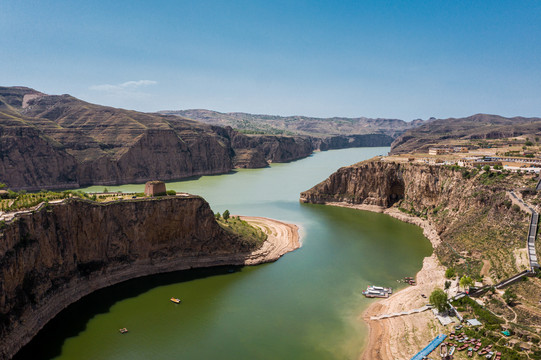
(402, 337)
(283, 238)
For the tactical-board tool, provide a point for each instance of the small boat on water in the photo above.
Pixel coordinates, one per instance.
(123, 330)
(377, 291)
(381, 288)
(175, 300)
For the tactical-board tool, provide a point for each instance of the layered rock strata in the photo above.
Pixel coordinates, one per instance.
(51, 142)
(52, 257)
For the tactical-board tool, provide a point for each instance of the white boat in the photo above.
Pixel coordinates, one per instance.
(381, 288)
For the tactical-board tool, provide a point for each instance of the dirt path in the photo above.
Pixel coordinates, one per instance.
(485, 271)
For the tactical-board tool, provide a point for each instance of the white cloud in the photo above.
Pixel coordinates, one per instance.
(128, 88)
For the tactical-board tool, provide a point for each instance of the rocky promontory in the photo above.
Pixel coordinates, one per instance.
(57, 254)
(470, 209)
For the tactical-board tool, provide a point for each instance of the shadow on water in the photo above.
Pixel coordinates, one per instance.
(192, 178)
(73, 320)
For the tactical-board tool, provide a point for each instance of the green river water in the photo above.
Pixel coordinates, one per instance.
(307, 305)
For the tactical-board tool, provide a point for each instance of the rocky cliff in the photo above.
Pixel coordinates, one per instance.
(386, 183)
(54, 256)
(49, 141)
(468, 208)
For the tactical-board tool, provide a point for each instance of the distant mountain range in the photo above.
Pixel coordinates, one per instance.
(299, 125)
(475, 127)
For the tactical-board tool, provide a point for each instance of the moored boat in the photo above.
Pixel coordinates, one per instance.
(387, 290)
(175, 300)
(375, 293)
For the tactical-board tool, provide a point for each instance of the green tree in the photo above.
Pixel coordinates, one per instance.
(439, 300)
(218, 216)
(450, 273)
(528, 143)
(486, 168)
(105, 190)
(509, 296)
(465, 281)
(447, 284)
(2, 185)
(226, 215)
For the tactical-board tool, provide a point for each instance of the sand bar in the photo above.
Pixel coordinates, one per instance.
(282, 238)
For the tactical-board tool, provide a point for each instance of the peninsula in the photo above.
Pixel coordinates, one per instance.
(57, 252)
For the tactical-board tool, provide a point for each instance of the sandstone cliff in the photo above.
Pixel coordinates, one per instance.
(63, 142)
(469, 209)
(54, 256)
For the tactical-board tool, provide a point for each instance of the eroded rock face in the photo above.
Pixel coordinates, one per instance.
(62, 142)
(55, 256)
(385, 183)
(58, 141)
(27, 157)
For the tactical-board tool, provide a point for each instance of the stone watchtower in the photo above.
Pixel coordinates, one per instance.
(155, 188)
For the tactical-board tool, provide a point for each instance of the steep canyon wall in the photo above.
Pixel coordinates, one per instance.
(54, 256)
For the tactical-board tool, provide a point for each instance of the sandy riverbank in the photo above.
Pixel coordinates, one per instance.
(282, 238)
(402, 337)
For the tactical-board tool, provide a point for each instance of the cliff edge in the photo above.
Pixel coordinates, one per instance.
(54, 256)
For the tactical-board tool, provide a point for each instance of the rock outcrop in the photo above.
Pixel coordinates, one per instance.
(469, 209)
(50, 141)
(385, 183)
(52, 257)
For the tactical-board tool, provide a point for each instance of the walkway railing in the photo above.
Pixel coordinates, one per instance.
(532, 231)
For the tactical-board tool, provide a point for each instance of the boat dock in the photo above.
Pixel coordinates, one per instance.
(429, 348)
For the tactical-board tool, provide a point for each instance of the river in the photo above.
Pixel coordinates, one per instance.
(307, 305)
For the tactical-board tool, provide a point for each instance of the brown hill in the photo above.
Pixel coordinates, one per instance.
(479, 126)
(299, 125)
(51, 141)
(58, 141)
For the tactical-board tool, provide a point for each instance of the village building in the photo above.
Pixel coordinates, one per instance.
(438, 151)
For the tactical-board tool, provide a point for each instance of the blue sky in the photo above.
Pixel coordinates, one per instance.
(397, 59)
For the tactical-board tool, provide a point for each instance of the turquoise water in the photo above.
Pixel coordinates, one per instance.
(307, 305)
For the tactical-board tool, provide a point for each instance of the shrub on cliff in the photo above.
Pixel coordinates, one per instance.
(450, 273)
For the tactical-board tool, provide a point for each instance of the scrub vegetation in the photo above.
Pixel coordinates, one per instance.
(240, 227)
